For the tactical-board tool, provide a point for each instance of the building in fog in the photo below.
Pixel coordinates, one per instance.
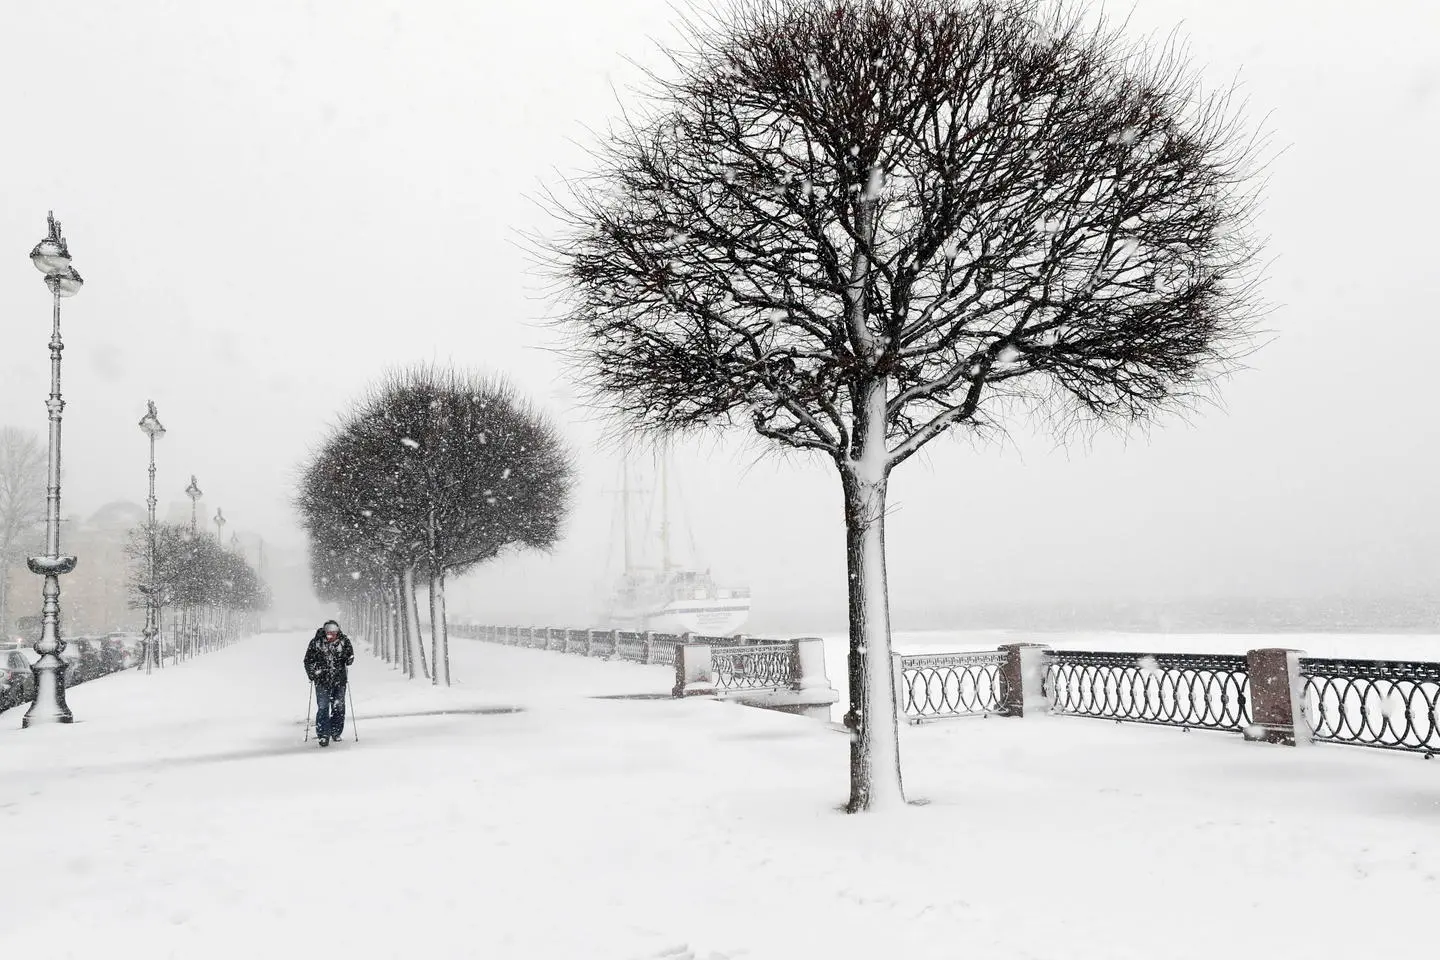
(94, 598)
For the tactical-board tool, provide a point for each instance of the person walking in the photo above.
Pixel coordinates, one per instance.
(327, 662)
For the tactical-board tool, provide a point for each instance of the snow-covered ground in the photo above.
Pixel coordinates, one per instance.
(183, 817)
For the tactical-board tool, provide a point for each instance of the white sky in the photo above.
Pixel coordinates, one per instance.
(273, 201)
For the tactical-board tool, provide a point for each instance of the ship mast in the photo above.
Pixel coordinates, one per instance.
(625, 507)
(664, 517)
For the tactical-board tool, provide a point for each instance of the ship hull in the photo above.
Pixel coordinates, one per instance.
(708, 617)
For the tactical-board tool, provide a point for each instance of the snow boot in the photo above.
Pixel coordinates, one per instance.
(324, 741)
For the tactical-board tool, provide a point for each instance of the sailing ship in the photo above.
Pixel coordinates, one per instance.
(667, 597)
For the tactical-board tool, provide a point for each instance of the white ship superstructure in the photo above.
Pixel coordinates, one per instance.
(665, 596)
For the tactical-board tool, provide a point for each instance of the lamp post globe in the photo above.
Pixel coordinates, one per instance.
(52, 254)
(51, 257)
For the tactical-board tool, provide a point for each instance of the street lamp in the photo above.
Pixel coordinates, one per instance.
(219, 527)
(193, 492)
(51, 257)
(150, 424)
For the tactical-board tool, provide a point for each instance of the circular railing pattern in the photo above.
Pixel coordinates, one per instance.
(1373, 703)
(753, 667)
(1202, 691)
(942, 686)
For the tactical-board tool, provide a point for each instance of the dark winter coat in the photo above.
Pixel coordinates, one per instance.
(325, 662)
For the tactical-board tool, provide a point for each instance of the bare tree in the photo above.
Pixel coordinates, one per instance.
(22, 504)
(860, 224)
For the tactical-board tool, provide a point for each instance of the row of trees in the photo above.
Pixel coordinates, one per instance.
(433, 472)
(22, 505)
(859, 225)
(210, 588)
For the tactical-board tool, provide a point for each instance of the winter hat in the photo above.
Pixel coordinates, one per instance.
(329, 624)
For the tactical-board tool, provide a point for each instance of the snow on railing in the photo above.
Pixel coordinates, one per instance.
(944, 686)
(1202, 691)
(1373, 703)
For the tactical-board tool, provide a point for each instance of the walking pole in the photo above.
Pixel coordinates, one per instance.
(309, 698)
(354, 721)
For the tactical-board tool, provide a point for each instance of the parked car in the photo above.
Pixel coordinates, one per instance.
(128, 644)
(86, 664)
(17, 682)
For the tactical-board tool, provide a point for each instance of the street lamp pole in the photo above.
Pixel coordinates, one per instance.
(51, 257)
(150, 424)
(193, 492)
(219, 527)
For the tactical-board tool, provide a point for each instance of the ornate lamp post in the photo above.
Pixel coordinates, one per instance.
(219, 527)
(193, 492)
(51, 257)
(150, 424)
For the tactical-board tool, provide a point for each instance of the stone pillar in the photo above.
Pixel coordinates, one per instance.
(693, 671)
(647, 647)
(1022, 679)
(1277, 697)
(807, 665)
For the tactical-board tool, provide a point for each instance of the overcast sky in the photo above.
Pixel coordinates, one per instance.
(272, 201)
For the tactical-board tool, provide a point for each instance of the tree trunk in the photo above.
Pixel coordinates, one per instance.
(4, 598)
(439, 634)
(412, 624)
(392, 643)
(874, 731)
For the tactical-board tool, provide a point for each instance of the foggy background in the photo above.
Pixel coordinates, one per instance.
(271, 202)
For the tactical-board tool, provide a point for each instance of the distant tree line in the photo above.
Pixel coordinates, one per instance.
(431, 473)
(195, 574)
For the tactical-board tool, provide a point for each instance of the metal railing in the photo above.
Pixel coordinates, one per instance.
(630, 645)
(943, 686)
(1389, 704)
(1200, 691)
(760, 666)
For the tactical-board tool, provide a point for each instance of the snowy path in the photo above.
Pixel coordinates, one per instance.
(183, 817)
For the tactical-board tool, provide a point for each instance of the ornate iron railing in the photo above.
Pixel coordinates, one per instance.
(946, 685)
(1190, 690)
(760, 666)
(1373, 703)
(662, 648)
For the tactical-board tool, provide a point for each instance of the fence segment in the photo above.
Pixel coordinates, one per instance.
(943, 686)
(757, 666)
(1389, 704)
(1202, 691)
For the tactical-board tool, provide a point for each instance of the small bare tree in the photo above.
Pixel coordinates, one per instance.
(859, 224)
(22, 504)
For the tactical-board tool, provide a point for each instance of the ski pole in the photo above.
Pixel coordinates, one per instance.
(309, 697)
(354, 721)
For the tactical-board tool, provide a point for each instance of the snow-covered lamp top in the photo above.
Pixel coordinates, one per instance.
(150, 423)
(51, 256)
